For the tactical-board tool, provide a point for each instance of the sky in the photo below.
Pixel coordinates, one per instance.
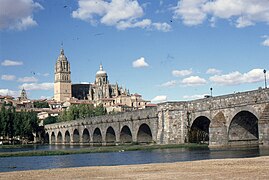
(165, 50)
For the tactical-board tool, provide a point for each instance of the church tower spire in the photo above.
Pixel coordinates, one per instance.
(62, 78)
(23, 95)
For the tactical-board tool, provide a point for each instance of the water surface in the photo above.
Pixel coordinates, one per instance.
(122, 158)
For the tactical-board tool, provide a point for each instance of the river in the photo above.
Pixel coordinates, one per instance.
(120, 158)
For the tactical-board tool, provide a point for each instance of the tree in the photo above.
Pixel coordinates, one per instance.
(50, 120)
(100, 110)
(9, 122)
(18, 122)
(41, 104)
(81, 111)
(2, 111)
(22, 124)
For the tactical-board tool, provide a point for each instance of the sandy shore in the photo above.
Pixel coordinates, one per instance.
(245, 168)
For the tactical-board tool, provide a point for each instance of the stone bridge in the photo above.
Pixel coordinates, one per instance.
(234, 119)
(136, 126)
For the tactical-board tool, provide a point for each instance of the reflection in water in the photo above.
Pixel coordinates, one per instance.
(43, 147)
(123, 158)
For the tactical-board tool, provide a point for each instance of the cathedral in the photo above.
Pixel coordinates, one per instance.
(111, 96)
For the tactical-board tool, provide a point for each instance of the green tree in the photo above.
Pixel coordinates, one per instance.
(41, 104)
(14, 123)
(81, 111)
(63, 116)
(99, 110)
(18, 122)
(1, 120)
(50, 120)
(9, 122)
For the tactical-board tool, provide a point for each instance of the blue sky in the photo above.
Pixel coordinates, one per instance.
(162, 49)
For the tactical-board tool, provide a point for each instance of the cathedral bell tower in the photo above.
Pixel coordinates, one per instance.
(62, 78)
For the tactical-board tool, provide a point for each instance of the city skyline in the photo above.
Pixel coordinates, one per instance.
(163, 50)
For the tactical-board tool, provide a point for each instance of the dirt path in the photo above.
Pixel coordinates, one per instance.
(247, 168)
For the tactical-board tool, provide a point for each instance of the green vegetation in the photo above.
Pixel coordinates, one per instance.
(81, 111)
(100, 149)
(50, 120)
(17, 124)
(41, 104)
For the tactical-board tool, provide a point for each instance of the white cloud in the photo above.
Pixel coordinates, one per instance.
(213, 71)
(266, 41)
(84, 82)
(9, 92)
(28, 79)
(120, 13)
(193, 81)
(37, 86)
(140, 63)
(162, 27)
(18, 14)
(45, 97)
(235, 78)
(145, 23)
(169, 84)
(190, 11)
(159, 99)
(8, 77)
(178, 73)
(196, 96)
(242, 13)
(11, 63)
(46, 74)
(42, 74)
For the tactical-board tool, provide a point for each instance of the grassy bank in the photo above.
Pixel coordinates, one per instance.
(98, 150)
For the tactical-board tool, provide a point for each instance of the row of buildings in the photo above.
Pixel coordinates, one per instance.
(101, 92)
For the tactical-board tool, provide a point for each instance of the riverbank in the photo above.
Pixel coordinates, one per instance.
(96, 149)
(242, 168)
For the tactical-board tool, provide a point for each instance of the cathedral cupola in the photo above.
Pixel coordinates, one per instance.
(101, 76)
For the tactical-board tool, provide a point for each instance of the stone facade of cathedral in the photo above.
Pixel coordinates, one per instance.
(111, 96)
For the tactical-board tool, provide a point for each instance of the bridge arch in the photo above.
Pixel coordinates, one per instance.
(46, 138)
(199, 131)
(67, 137)
(59, 137)
(75, 136)
(238, 110)
(126, 135)
(97, 137)
(85, 136)
(144, 134)
(243, 127)
(53, 138)
(110, 136)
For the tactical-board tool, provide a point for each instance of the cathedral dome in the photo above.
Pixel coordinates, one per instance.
(101, 72)
(62, 57)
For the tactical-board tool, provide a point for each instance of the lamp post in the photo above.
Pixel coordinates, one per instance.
(265, 83)
(211, 91)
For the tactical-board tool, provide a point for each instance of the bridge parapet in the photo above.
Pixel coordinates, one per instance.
(218, 102)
